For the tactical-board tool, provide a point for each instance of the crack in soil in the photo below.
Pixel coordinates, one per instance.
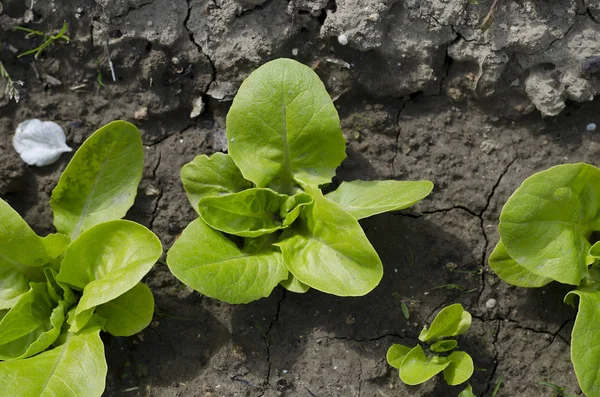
(252, 9)
(268, 344)
(495, 359)
(160, 192)
(402, 106)
(486, 242)
(213, 68)
(367, 340)
(133, 8)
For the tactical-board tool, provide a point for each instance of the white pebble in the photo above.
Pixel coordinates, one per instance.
(342, 39)
(591, 127)
(491, 303)
(294, 51)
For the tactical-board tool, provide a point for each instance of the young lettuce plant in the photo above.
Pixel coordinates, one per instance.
(263, 219)
(58, 292)
(416, 367)
(545, 231)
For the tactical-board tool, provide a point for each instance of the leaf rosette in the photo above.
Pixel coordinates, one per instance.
(58, 292)
(263, 219)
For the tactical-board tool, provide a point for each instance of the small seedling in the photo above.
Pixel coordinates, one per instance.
(49, 39)
(263, 219)
(497, 387)
(416, 366)
(545, 231)
(11, 90)
(405, 311)
(455, 287)
(58, 292)
(99, 78)
(558, 391)
(489, 18)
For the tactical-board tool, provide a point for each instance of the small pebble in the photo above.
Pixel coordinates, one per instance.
(491, 303)
(342, 39)
(591, 127)
(294, 51)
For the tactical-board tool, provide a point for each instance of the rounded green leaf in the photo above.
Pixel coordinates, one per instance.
(106, 261)
(292, 207)
(585, 341)
(329, 251)
(362, 199)
(207, 261)
(282, 125)
(129, 313)
(100, 182)
(452, 320)
(39, 339)
(292, 284)
(443, 346)
(511, 272)
(460, 369)
(416, 368)
(22, 254)
(35, 319)
(545, 224)
(250, 213)
(74, 369)
(594, 253)
(396, 354)
(211, 176)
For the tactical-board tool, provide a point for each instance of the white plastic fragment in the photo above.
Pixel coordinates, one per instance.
(40, 143)
(342, 39)
(591, 127)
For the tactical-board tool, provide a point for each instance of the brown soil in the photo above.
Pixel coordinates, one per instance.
(310, 344)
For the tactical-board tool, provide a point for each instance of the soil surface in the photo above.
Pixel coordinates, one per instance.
(422, 94)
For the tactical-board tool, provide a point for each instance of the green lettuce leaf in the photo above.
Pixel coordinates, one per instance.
(396, 354)
(585, 340)
(282, 126)
(211, 176)
(106, 261)
(250, 213)
(292, 284)
(416, 368)
(129, 313)
(22, 255)
(443, 346)
(28, 321)
(460, 369)
(207, 261)
(452, 320)
(100, 182)
(511, 272)
(328, 250)
(545, 224)
(362, 199)
(74, 369)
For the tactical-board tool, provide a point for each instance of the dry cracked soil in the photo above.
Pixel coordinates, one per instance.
(422, 93)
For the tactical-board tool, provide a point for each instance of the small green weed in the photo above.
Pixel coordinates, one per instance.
(49, 39)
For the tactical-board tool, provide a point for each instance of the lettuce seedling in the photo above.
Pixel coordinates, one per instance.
(58, 292)
(545, 231)
(416, 367)
(263, 219)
